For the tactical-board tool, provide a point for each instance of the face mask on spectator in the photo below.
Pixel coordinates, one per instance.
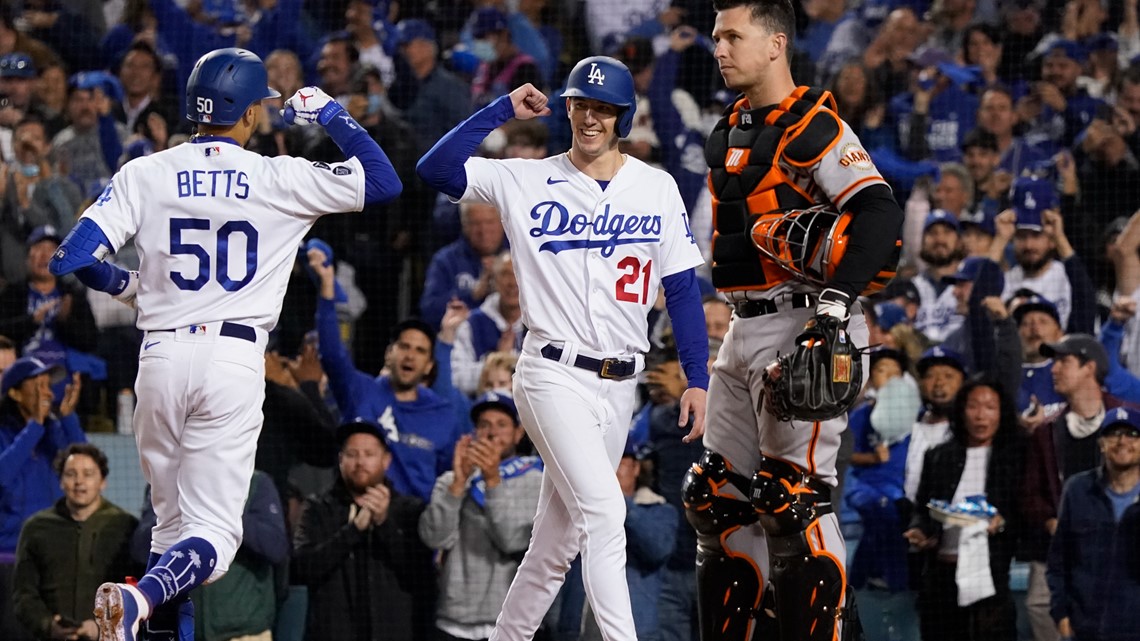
(375, 101)
(30, 170)
(484, 50)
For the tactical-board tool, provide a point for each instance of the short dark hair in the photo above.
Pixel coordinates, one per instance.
(777, 16)
(342, 37)
(144, 47)
(86, 449)
(6, 343)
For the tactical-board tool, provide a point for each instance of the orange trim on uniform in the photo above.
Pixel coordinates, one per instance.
(820, 549)
(736, 159)
(759, 575)
(852, 186)
(830, 146)
(811, 447)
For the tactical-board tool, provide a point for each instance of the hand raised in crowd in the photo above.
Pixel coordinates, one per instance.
(485, 454)
(360, 516)
(1123, 309)
(995, 308)
(460, 466)
(320, 263)
(1054, 227)
(277, 371)
(485, 285)
(307, 366)
(376, 500)
(1067, 170)
(71, 395)
(453, 316)
(1033, 417)
(529, 102)
(682, 38)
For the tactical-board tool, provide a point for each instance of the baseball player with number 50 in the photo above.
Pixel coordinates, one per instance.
(217, 229)
(594, 235)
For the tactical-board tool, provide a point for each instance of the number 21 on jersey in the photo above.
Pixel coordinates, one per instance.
(633, 286)
(221, 249)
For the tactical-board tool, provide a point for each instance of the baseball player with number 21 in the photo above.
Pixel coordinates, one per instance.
(217, 229)
(594, 235)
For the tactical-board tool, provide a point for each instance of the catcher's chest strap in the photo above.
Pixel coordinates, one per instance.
(752, 308)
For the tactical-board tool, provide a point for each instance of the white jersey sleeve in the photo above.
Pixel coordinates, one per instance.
(679, 249)
(846, 168)
(115, 210)
(489, 180)
(317, 188)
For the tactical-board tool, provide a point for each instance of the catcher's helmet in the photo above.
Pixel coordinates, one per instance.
(607, 80)
(223, 84)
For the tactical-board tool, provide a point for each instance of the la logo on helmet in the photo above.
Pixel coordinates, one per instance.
(596, 75)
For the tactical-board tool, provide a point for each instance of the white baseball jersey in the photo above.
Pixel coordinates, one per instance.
(1053, 284)
(590, 262)
(938, 315)
(217, 228)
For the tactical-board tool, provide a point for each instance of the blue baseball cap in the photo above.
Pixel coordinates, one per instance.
(17, 65)
(1120, 417)
(1102, 41)
(360, 425)
(487, 20)
(412, 29)
(495, 400)
(940, 356)
(1035, 303)
(106, 82)
(1068, 48)
(44, 232)
(967, 270)
(23, 369)
(888, 314)
(1032, 196)
(940, 216)
(981, 218)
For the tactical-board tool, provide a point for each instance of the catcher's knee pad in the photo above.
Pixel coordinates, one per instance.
(809, 585)
(787, 498)
(708, 510)
(728, 595)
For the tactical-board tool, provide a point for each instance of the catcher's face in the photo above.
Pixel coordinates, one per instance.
(745, 49)
(983, 416)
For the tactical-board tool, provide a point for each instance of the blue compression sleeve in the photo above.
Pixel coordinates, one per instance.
(442, 166)
(104, 277)
(381, 184)
(683, 302)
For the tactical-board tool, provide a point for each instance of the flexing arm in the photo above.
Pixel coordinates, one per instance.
(442, 166)
(311, 105)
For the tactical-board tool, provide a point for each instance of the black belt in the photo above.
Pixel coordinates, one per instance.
(752, 308)
(233, 330)
(612, 368)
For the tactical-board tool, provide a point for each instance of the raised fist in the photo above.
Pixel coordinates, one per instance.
(310, 105)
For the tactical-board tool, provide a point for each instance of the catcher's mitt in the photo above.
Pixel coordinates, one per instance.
(820, 379)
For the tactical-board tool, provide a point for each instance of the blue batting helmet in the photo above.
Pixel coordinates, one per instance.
(607, 80)
(223, 84)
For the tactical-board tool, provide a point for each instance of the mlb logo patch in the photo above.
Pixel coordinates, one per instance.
(213, 151)
(197, 329)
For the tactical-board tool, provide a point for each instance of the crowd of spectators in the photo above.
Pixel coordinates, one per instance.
(393, 469)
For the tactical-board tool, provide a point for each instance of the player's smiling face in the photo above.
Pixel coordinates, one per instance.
(744, 48)
(594, 123)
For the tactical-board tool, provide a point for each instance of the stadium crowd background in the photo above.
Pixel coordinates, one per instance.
(1007, 129)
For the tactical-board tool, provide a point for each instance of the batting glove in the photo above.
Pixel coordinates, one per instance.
(834, 303)
(310, 105)
(130, 292)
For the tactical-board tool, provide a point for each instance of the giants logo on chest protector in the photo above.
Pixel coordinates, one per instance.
(606, 230)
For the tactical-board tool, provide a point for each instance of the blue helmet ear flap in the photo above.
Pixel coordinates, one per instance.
(625, 121)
